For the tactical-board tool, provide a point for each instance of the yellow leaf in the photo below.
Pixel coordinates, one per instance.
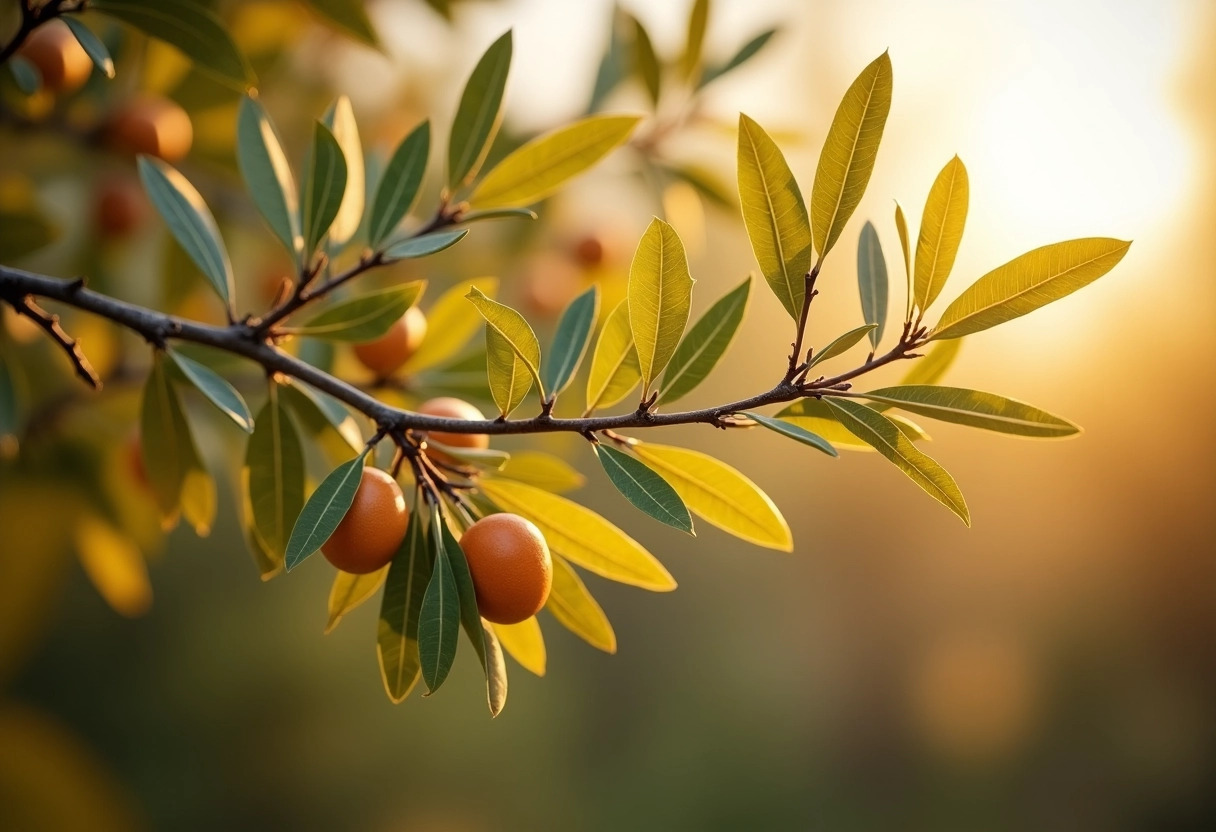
(115, 566)
(524, 643)
(552, 473)
(451, 322)
(901, 225)
(941, 231)
(720, 495)
(614, 367)
(660, 295)
(512, 352)
(815, 416)
(341, 119)
(349, 591)
(199, 500)
(936, 361)
(575, 609)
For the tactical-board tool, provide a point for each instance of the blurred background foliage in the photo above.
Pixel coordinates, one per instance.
(1052, 667)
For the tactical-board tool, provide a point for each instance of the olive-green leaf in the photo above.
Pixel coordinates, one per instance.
(510, 342)
(885, 436)
(451, 322)
(746, 52)
(901, 225)
(698, 22)
(499, 214)
(975, 409)
(409, 575)
(340, 119)
(933, 366)
(814, 416)
(25, 74)
(849, 151)
(477, 116)
(161, 425)
(275, 459)
(843, 343)
(575, 609)
(364, 317)
(614, 365)
(398, 188)
(348, 15)
(646, 62)
(324, 511)
(660, 296)
(269, 563)
(324, 187)
(324, 419)
(439, 618)
(775, 215)
(92, 45)
(349, 591)
(872, 281)
(641, 486)
(540, 167)
(496, 671)
(1028, 282)
(580, 535)
(792, 431)
(552, 473)
(941, 231)
(470, 617)
(267, 174)
(720, 495)
(424, 246)
(525, 643)
(704, 344)
(190, 222)
(570, 341)
(218, 391)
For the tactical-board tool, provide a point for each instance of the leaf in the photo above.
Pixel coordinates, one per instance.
(646, 62)
(439, 618)
(489, 459)
(660, 295)
(470, 616)
(398, 188)
(705, 344)
(510, 343)
(476, 118)
(340, 119)
(849, 151)
(974, 409)
(872, 281)
(324, 511)
(614, 64)
(816, 417)
(190, 222)
(901, 225)
(162, 426)
(524, 643)
(941, 231)
(648, 491)
(500, 213)
(275, 460)
(397, 641)
(746, 52)
(538, 168)
(198, 493)
(92, 45)
(218, 391)
(879, 431)
(775, 216)
(424, 246)
(267, 174)
(350, 591)
(576, 610)
(364, 317)
(269, 563)
(496, 671)
(931, 368)
(842, 344)
(324, 187)
(25, 75)
(720, 495)
(190, 27)
(698, 21)
(542, 470)
(324, 418)
(792, 431)
(570, 341)
(580, 535)
(614, 365)
(1028, 282)
(114, 565)
(349, 16)
(451, 322)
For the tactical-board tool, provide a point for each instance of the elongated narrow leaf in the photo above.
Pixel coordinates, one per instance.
(641, 486)
(92, 45)
(660, 296)
(190, 222)
(872, 281)
(879, 431)
(775, 215)
(507, 373)
(580, 535)
(439, 618)
(161, 425)
(398, 188)
(340, 119)
(500, 214)
(365, 317)
(849, 151)
(937, 360)
(268, 562)
(746, 52)
(704, 344)
(975, 409)
(470, 617)
(487, 459)
(324, 187)
(324, 419)
(570, 341)
(1028, 282)
(409, 575)
(323, 511)
(25, 74)
(219, 392)
(199, 499)
(425, 245)
(267, 174)
(476, 118)
(614, 63)
(275, 460)
(451, 322)
(510, 342)
(842, 344)
(575, 609)
(349, 16)
(698, 22)
(614, 366)
(552, 473)
(816, 417)
(496, 671)
(792, 431)
(348, 592)
(114, 565)
(646, 63)
(540, 167)
(720, 495)
(941, 231)
(524, 643)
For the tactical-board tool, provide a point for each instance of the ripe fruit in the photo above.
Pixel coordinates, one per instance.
(453, 408)
(387, 353)
(152, 125)
(119, 207)
(550, 281)
(511, 567)
(62, 63)
(370, 533)
(589, 251)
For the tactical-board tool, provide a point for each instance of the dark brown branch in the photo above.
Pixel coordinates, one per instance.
(808, 295)
(70, 346)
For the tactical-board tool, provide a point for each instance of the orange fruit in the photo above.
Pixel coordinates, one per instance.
(449, 407)
(372, 530)
(589, 251)
(550, 281)
(511, 567)
(387, 353)
(152, 125)
(61, 61)
(119, 207)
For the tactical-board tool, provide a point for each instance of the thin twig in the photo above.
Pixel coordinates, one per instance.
(71, 347)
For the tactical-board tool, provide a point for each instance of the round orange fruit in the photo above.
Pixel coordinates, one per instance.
(372, 530)
(59, 58)
(511, 567)
(449, 407)
(152, 125)
(386, 354)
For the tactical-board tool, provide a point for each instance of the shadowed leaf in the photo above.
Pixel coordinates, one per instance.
(409, 575)
(570, 341)
(477, 116)
(872, 281)
(275, 460)
(340, 119)
(365, 317)
(324, 511)
(92, 45)
(398, 188)
(324, 187)
(267, 174)
(349, 591)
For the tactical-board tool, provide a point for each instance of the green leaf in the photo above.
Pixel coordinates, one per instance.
(324, 511)
(524, 643)
(269, 563)
(538, 168)
(901, 225)
(162, 426)
(937, 360)
(267, 174)
(397, 640)
(720, 495)
(275, 460)
(451, 322)
(349, 16)
(648, 491)
(698, 21)
(482, 637)
(885, 436)
(551, 473)
(570, 341)
(746, 52)
(660, 295)
(324, 187)
(476, 118)
(398, 188)
(872, 281)
(489, 459)
(499, 214)
(323, 418)
(92, 45)
(848, 155)
(974, 409)
(580, 535)
(614, 365)
(511, 350)
(775, 215)
(190, 27)
(349, 591)
(575, 609)
(364, 317)
(842, 344)
(614, 64)
(424, 246)
(705, 344)
(25, 75)
(340, 119)
(439, 618)
(1028, 282)
(218, 391)
(941, 231)
(190, 222)
(646, 62)
(792, 431)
